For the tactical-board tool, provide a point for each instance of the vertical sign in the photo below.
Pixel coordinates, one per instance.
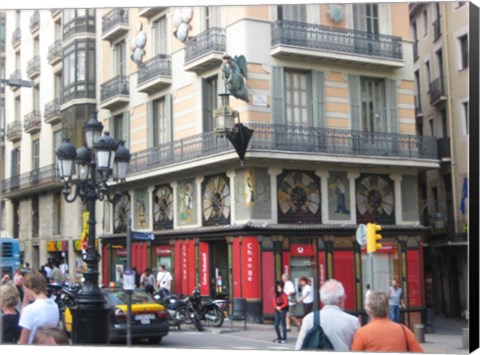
(184, 267)
(204, 270)
(251, 267)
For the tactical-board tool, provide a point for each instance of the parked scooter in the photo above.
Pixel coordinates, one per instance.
(176, 309)
(208, 311)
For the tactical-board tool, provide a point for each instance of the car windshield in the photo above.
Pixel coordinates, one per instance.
(119, 297)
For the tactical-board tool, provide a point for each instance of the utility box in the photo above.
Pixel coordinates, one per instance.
(419, 331)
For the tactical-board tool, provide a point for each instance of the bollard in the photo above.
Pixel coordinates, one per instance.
(465, 338)
(419, 331)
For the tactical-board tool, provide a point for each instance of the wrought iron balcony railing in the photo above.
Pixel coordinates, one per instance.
(160, 65)
(324, 38)
(55, 52)
(437, 91)
(114, 87)
(32, 122)
(283, 138)
(14, 131)
(16, 37)
(33, 67)
(35, 21)
(43, 176)
(437, 29)
(52, 113)
(212, 40)
(115, 17)
(80, 24)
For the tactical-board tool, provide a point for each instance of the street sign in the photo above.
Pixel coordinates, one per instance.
(142, 236)
(361, 234)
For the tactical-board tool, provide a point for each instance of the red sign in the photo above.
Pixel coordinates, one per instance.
(204, 269)
(251, 267)
(84, 244)
(163, 250)
(302, 250)
(184, 265)
(122, 252)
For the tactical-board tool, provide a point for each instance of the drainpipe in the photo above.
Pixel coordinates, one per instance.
(449, 109)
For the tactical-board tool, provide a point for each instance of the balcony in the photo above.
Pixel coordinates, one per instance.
(301, 40)
(37, 180)
(14, 131)
(55, 53)
(205, 50)
(443, 147)
(16, 75)
(275, 141)
(149, 12)
(52, 113)
(83, 24)
(155, 74)
(16, 38)
(115, 24)
(35, 22)
(32, 122)
(437, 92)
(115, 93)
(437, 29)
(33, 67)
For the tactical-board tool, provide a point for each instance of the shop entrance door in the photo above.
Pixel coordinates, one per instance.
(301, 267)
(219, 277)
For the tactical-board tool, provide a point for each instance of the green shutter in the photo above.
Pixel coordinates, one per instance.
(391, 105)
(149, 124)
(278, 95)
(318, 103)
(355, 102)
(168, 118)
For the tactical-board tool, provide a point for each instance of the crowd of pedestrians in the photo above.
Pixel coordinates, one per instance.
(383, 333)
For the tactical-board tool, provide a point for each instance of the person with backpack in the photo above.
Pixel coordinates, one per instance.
(336, 328)
(280, 302)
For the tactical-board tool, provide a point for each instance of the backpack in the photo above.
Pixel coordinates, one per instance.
(316, 338)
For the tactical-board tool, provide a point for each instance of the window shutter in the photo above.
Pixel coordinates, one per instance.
(150, 124)
(126, 128)
(318, 102)
(168, 118)
(391, 105)
(278, 95)
(355, 102)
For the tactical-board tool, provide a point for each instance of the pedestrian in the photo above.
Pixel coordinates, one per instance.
(57, 275)
(18, 281)
(382, 334)
(338, 326)
(395, 301)
(164, 281)
(137, 276)
(368, 291)
(307, 296)
(48, 271)
(64, 268)
(147, 278)
(280, 303)
(289, 289)
(42, 312)
(51, 336)
(10, 315)
(5, 279)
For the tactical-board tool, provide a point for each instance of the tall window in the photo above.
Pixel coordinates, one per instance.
(418, 101)
(15, 162)
(36, 97)
(57, 83)
(292, 12)
(79, 70)
(212, 17)
(463, 41)
(365, 17)
(210, 102)
(160, 128)
(160, 36)
(427, 73)
(120, 58)
(466, 115)
(36, 46)
(425, 22)
(18, 108)
(36, 159)
(119, 127)
(57, 203)
(373, 103)
(35, 217)
(297, 98)
(57, 140)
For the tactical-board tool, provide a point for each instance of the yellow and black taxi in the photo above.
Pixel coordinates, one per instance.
(149, 319)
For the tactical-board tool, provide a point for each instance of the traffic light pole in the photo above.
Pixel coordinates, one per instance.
(372, 268)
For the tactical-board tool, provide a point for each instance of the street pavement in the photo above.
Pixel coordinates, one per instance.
(447, 336)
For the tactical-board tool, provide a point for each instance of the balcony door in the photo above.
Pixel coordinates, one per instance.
(120, 58)
(159, 31)
(366, 24)
(297, 13)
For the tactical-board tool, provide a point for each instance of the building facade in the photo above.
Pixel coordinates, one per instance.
(440, 33)
(330, 98)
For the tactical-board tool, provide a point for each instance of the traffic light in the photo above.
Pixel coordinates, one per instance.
(373, 237)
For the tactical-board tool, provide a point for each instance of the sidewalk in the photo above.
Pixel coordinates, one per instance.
(447, 336)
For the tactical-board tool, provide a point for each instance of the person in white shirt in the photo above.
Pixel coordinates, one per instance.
(164, 281)
(307, 296)
(42, 312)
(289, 289)
(339, 326)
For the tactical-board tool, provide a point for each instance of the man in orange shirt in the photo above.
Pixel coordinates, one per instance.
(382, 334)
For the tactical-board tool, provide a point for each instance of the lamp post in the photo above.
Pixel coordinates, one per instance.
(96, 161)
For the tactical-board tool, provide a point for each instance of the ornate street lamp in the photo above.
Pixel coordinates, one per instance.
(95, 161)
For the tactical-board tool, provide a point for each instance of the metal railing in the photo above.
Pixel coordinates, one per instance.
(79, 25)
(16, 37)
(42, 176)
(33, 66)
(283, 138)
(212, 40)
(52, 109)
(14, 130)
(118, 16)
(349, 41)
(160, 65)
(55, 51)
(113, 87)
(35, 21)
(32, 121)
(436, 90)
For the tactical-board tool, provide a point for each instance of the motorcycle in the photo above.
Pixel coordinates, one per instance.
(208, 311)
(176, 309)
